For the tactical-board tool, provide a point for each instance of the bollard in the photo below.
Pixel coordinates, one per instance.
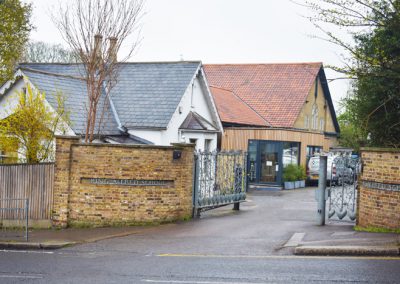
(323, 161)
(27, 220)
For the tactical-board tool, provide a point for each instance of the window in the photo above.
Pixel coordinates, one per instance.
(207, 145)
(290, 153)
(306, 122)
(312, 150)
(322, 124)
(252, 160)
(193, 141)
(314, 117)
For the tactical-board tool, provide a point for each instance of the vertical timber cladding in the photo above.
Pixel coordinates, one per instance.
(379, 192)
(237, 138)
(105, 184)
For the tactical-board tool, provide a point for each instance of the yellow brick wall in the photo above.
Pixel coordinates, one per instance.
(378, 207)
(81, 203)
(323, 111)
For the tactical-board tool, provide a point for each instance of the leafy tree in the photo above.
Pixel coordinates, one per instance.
(31, 125)
(14, 33)
(373, 60)
(350, 135)
(39, 51)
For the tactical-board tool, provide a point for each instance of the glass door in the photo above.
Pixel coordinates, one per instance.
(252, 167)
(270, 162)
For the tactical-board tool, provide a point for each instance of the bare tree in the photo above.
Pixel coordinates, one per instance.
(96, 30)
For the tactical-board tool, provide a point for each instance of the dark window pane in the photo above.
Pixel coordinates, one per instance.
(252, 160)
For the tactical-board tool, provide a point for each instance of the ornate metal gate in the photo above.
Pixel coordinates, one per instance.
(219, 180)
(342, 202)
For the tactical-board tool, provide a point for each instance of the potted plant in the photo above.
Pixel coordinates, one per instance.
(289, 176)
(302, 176)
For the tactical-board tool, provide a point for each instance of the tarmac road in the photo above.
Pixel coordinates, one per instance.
(115, 266)
(249, 246)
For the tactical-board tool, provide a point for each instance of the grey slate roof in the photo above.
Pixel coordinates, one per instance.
(69, 69)
(146, 95)
(195, 121)
(74, 91)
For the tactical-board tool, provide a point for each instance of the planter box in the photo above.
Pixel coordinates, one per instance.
(297, 184)
(289, 184)
(302, 183)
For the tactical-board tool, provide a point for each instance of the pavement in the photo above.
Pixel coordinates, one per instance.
(269, 223)
(59, 238)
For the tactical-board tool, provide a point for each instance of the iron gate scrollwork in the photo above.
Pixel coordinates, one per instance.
(219, 180)
(344, 174)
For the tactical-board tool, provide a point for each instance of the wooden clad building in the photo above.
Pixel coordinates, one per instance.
(279, 113)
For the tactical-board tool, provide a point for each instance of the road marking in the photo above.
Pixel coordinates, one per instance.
(295, 240)
(195, 282)
(334, 234)
(21, 276)
(27, 251)
(279, 256)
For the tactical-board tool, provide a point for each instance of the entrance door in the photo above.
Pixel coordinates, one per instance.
(270, 162)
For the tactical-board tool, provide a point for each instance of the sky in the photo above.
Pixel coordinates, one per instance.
(220, 31)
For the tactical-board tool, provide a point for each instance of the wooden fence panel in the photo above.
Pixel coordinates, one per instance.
(21, 181)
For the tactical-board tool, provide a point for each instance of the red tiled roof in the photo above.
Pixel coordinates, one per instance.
(276, 92)
(232, 109)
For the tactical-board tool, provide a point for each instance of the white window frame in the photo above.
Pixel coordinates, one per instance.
(306, 122)
(314, 119)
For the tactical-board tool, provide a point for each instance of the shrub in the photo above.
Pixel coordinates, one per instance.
(293, 172)
(290, 172)
(301, 173)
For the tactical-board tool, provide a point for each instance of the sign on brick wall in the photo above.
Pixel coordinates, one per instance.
(128, 182)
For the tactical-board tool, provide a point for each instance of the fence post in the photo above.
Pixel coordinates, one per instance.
(27, 219)
(323, 160)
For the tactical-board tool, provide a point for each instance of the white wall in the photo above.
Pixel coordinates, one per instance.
(10, 99)
(154, 136)
(200, 139)
(195, 99)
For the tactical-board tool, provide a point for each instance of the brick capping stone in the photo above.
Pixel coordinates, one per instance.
(110, 201)
(74, 137)
(376, 149)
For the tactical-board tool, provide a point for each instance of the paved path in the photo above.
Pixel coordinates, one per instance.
(250, 246)
(268, 223)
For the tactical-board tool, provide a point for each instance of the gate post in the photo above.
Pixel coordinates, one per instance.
(247, 168)
(196, 186)
(323, 161)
